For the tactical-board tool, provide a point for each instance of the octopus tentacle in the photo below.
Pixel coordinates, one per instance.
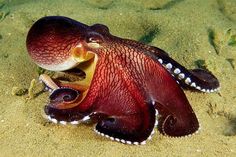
(48, 82)
(57, 113)
(176, 117)
(52, 84)
(129, 128)
(63, 93)
(198, 79)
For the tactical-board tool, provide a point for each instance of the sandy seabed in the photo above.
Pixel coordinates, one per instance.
(196, 33)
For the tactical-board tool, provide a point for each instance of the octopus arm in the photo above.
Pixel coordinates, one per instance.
(130, 118)
(176, 116)
(176, 125)
(64, 97)
(196, 79)
(133, 127)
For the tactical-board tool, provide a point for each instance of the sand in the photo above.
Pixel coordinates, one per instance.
(195, 33)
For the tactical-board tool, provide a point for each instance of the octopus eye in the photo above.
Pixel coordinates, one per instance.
(94, 40)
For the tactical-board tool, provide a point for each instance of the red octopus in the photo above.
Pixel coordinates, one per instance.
(129, 87)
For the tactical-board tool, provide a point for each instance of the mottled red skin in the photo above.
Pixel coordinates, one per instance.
(128, 83)
(44, 40)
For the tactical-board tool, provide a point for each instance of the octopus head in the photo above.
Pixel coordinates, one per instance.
(59, 43)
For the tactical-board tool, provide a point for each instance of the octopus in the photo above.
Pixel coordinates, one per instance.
(125, 87)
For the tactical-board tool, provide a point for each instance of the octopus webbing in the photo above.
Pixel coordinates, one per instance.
(128, 88)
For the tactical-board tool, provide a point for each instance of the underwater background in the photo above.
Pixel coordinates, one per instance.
(196, 33)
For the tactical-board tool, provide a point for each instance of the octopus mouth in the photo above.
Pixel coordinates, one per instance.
(67, 90)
